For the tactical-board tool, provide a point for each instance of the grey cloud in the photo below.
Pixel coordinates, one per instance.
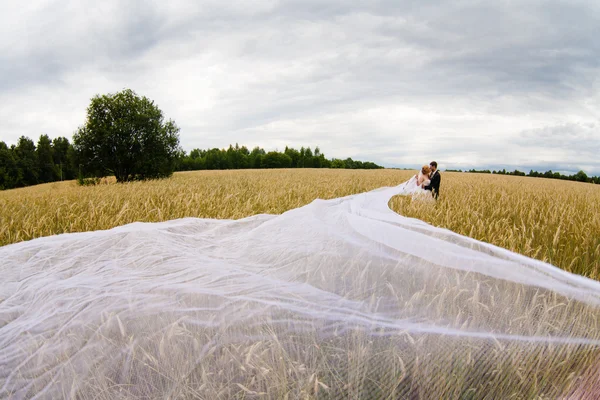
(583, 139)
(469, 75)
(66, 36)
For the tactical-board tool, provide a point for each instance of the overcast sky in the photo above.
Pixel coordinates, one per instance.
(401, 83)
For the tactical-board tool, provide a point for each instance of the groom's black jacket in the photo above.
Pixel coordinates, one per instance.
(434, 185)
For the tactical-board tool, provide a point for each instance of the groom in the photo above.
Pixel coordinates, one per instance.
(435, 178)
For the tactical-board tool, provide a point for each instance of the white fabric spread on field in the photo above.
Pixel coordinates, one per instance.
(74, 306)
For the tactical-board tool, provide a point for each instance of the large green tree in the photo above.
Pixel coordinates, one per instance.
(126, 135)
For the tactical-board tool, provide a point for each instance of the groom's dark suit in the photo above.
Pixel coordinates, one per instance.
(434, 185)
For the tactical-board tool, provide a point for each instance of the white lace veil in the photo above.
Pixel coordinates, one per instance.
(340, 298)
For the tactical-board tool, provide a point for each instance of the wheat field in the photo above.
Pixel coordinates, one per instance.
(554, 221)
(62, 207)
(550, 220)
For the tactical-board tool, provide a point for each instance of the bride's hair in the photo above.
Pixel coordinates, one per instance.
(425, 170)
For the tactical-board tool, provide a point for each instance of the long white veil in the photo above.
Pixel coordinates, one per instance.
(339, 298)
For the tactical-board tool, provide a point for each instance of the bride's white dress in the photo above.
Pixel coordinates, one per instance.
(413, 187)
(146, 308)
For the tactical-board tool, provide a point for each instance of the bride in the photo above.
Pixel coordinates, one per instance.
(416, 183)
(414, 186)
(423, 176)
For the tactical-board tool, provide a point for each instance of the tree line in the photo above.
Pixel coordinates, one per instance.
(28, 163)
(236, 157)
(578, 177)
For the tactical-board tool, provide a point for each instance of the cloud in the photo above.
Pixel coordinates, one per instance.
(398, 82)
(582, 138)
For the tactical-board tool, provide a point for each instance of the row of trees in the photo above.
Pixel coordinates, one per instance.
(242, 158)
(579, 176)
(26, 164)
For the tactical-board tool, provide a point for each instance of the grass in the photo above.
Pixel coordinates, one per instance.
(63, 207)
(176, 357)
(550, 220)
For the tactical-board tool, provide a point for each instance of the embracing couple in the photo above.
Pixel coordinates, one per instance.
(429, 179)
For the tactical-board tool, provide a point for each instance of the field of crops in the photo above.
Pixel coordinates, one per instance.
(551, 220)
(554, 221)
(66, 207)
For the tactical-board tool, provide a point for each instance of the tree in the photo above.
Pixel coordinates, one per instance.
(27, 162)
(337, 163)
(217, 159)
(62, 157)
(194, 154)
(256, 156)
(244, 157)
(126, 135)
(308, 158)
(274, 159)
(294, 155)
(350, 163)
(300, 163)
(581, 176)
(10, 174)
(238, 157)
(318, 158)
(45, 160)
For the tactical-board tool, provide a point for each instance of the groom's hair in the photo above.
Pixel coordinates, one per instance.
(433, 164)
